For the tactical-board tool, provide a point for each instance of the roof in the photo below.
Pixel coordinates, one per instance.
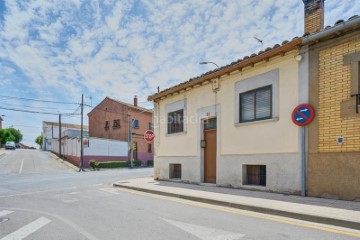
(67, 125)
(130, 106)
(254, 58)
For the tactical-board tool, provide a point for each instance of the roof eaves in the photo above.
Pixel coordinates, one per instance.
(241, 63)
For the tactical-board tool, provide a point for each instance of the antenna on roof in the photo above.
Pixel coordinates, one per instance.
(260, 41)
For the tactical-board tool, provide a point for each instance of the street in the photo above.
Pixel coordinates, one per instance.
(41, 198)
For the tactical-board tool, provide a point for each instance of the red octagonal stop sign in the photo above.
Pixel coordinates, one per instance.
(149, 136)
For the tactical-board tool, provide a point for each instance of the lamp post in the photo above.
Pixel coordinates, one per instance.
(217, 66)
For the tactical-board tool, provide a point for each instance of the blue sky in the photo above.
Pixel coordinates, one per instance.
(56, 50)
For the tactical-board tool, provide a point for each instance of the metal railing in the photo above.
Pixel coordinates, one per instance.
(357, 96)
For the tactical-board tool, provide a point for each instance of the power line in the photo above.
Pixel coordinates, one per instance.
(17, 105)
(38, 100)
(29, 111)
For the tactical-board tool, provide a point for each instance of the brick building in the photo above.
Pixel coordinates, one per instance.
(111, 119)
(334, 88)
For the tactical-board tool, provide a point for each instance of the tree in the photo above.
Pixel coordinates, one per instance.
(17, 136)
(39, 140)
(10, 134)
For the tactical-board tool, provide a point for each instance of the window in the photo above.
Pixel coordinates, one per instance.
(116, 123)
(135, 123)
(175, 171)
(176, 121)
(256, 104)
(106, 125)
(150, 127)
(256, 175)
(149, 148)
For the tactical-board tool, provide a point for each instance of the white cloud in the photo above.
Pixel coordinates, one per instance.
(63, 48)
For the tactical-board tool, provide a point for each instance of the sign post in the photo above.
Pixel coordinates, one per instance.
(302, 116)
(149, 136)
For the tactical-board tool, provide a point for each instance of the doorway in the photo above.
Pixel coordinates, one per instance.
(210, 150)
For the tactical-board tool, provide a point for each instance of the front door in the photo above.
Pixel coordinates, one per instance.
(210, 150)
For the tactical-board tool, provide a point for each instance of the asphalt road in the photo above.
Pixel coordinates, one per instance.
(40, 198)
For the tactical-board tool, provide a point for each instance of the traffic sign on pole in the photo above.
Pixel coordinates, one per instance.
(149, 136)
(303, 115)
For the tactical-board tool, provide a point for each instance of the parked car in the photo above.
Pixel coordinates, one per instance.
(10, 145)
(17, 145)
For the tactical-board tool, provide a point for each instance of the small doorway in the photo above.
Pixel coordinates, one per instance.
(210, 150)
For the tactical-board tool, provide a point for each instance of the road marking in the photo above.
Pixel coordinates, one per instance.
(21, 166)
(298, 223)
(72, 200)
(5, 212)
(110, 190)
(28, 229)
(205, 233)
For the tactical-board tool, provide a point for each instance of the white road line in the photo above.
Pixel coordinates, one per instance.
(4, 213)
(110, 190)
(28, 229)
(21, 166)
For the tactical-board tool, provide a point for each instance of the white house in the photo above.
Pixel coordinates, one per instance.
(232, 126)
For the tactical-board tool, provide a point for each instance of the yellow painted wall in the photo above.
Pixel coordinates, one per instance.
(334, 87)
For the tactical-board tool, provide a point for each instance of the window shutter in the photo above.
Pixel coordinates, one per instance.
(263, 103)
(247, 106)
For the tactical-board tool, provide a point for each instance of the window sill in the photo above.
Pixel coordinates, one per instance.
(257, 122)
(175, 134)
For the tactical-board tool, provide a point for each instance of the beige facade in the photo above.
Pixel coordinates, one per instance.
(272, 142)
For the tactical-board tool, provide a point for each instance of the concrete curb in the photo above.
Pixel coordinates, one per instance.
(63, 161)
(300, 216)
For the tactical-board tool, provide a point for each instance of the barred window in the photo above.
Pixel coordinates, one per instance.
(116, 123)
(176, 121)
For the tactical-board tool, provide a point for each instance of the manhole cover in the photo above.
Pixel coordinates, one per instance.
(4, 220)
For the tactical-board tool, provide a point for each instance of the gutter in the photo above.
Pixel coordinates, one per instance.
(336, 30)
(281, 50)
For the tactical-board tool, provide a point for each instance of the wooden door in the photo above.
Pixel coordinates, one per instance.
(210, 156)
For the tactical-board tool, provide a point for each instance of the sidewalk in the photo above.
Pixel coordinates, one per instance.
(326, 211)
(66, 163)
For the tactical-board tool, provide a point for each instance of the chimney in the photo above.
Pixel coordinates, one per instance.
(313, 16)
(135, 101)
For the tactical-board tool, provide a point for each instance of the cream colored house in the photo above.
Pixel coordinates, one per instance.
(232, 126)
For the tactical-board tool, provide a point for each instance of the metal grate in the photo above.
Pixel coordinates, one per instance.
(175, 171)
(256, 175)
(357, 96)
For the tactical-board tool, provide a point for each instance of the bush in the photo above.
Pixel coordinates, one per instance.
(93, 164)
(136, 163)
(150, 163)
(115, 164)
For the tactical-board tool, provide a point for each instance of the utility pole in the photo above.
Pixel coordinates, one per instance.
(130, 141)
(60, 134)
(82, 135)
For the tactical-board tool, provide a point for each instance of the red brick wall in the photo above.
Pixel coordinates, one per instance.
(109, 110)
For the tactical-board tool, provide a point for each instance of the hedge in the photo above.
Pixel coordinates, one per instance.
(113, 164)
(150, 163)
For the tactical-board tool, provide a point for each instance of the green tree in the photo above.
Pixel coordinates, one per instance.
(39, 140)
(17, 136)
(2, 136)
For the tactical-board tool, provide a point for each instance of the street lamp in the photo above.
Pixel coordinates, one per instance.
(217, 66)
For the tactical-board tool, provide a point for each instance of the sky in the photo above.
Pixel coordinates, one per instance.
(57, 50)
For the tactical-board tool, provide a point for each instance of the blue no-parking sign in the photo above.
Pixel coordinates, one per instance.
(303, 115)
